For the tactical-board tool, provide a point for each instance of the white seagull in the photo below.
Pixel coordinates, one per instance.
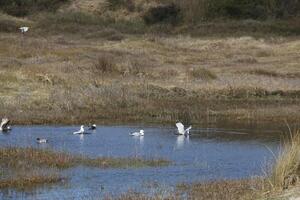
(41, 140)
(80, 131)
(24, 29)
(141, 133)
(181, 130)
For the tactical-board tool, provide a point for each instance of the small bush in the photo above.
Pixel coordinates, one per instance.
(164, 13)
(201, 73)
(104, 65)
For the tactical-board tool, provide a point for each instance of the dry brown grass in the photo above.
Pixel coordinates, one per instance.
(63, 78)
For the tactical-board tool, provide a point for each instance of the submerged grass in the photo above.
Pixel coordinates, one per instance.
(28, 167)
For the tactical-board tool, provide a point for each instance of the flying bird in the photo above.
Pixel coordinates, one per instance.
(181, 130)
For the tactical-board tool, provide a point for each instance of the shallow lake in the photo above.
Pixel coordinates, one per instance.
(208, 154)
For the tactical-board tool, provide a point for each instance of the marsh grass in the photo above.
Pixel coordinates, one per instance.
(28, 167)
(20, 157)
(247, 189)
(286, 169)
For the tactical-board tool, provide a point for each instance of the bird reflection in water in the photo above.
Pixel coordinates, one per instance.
(181, 140)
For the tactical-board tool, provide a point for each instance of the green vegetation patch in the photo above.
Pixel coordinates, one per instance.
(164, 13)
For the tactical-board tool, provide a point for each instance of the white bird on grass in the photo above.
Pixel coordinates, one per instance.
(24, 29)
(80, 131)
(181, 130)
(41, 140)
(141, 133)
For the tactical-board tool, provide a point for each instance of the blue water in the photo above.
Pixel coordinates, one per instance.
(207, 154)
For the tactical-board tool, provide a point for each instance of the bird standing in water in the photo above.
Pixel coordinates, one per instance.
(80, 131)
(181, 130)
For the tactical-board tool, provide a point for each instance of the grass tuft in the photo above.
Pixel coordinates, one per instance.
(286, 170)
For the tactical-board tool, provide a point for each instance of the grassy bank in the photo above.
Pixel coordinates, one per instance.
(64, 79)
(102, 62)
(28, 167)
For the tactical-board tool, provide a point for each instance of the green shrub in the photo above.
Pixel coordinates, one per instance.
(164, 13)
(196, 10)
(25, 7)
